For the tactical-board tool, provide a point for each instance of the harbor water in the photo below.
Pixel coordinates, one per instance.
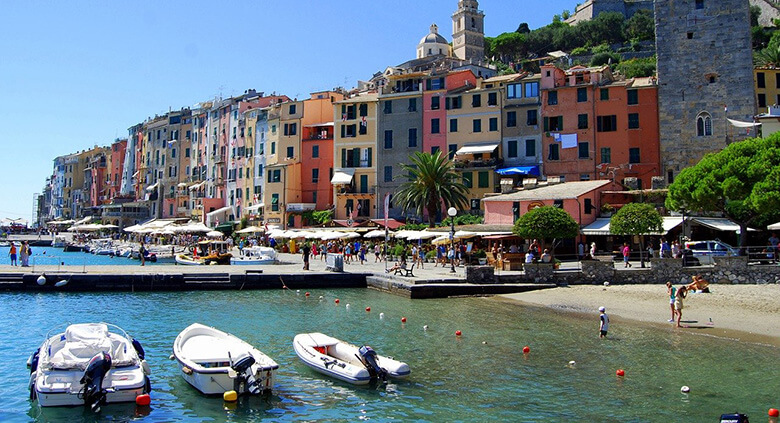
(50, 256)
(480, 376)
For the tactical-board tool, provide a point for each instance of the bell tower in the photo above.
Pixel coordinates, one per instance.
(468, 31)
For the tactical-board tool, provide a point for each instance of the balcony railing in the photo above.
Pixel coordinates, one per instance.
(351, 190)
(463, 164)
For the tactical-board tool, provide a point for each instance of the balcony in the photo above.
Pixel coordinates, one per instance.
(350, 190)
(478, 163)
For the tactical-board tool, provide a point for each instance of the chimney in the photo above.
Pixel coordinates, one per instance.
(553, 180)
(506, 185)
(631, 182)
(529, 183)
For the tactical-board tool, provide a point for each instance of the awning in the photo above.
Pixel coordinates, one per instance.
(718, 223)
(740, 124)
(774, 226)
(342, 176)
(225, 227)
(182, 184)
(601, 226)
(318, 125)
(196, 186)
(152, 187)
(477, 148)
(218, 211)
(519, 170)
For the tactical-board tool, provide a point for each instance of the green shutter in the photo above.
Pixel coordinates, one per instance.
(447, 103)
(369, 157)
(343, 130)
(343, 157)
(546, 125)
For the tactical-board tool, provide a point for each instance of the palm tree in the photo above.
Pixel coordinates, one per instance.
(433, 181)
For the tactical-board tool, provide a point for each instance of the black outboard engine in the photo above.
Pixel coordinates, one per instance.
(93, 393)
(139, 349)
(368, 357)
(243, 366)
(734, 418)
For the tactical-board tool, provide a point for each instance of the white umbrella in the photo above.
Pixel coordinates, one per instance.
(464, 234)
(250, 230)
(214, 234)
(197, 227)
(378, 234)
(351, 235)
(405, 233)
(422, 235)
(276, 233)
(441, 240)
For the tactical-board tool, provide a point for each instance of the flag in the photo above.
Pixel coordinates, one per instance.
(266, 226)
(343, 117)
(363, 121)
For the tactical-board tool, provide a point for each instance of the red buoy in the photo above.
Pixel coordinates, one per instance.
(307, 294)
(143, 399)
(620, 372)
(403, 319)
(336, 300)
(773, 412)
(458, 333)
(526, 349)
(368, 308)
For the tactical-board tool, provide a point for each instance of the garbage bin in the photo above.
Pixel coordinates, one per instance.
(334, 262)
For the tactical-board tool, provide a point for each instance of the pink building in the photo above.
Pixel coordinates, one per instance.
(434, 133)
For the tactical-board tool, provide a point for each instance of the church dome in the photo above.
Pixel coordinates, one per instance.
(433, 44)
(434, 37)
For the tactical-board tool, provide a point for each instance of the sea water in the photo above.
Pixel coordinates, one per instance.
(50, 256)
(480, 376)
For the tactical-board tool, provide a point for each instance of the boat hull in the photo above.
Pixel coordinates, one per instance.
(61, 388)
(239, 261)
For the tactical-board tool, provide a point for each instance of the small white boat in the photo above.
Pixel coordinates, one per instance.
(215, 362)
(59, 241)
(255, 256)
(347, 362)
(89, 365)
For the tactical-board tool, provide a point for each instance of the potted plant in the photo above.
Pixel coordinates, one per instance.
(430, 256)
(607, 210)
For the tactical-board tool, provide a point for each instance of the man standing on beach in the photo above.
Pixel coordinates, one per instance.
(603, 322)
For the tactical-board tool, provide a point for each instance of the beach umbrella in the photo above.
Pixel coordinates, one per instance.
(251, 230)
(464, 234)
(441, 240)
(422, 235)
(378, 234)
(214, 234)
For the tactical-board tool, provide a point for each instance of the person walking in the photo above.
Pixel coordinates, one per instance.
(626, 255)
(603, 322)
(592, 250)
(142, 253)
(12, 254)
(682, 292)
(305, 251)
(671, 291)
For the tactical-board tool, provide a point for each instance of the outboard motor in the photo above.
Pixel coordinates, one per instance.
(93, 393)
(368, 357)
(734, 418)
(139, 349)
(32, 362)
(243, 366)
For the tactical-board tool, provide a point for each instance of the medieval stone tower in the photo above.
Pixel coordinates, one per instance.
(468, 31)
(705, 75)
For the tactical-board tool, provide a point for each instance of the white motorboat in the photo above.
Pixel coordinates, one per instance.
(59, 241)
(347, 362)
(255, 256)
(88, 364)
(188, 260)
(215, 362)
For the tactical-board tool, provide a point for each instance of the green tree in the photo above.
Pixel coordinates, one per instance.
(637, 68)
(742, 181)
(509, 45)
(641, 26)
(636, 219)
(433, 181)
(546, 223)
(523, 28)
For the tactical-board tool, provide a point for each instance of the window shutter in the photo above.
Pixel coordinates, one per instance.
(343, 131)
(546, 125)
(369, 156)
(343, 110)
(343, 155)
(447, 103)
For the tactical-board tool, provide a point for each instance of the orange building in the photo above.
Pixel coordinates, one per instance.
(599, 127)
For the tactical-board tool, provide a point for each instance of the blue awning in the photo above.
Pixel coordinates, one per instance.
(519, 170)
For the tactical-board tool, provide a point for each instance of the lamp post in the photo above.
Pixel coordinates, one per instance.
(452, 212)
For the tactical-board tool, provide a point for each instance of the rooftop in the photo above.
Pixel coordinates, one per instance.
(563, 191)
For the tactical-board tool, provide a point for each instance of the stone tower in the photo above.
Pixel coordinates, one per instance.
(468, 31)
(705, 75)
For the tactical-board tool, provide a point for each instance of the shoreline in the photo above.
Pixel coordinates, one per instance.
(745, 313)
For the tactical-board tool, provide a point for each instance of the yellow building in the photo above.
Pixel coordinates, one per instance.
(767, 84)
(354, 157)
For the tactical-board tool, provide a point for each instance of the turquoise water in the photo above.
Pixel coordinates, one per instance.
(481, 376)
(48, 256)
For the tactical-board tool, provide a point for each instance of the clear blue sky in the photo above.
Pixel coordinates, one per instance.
(77, 74)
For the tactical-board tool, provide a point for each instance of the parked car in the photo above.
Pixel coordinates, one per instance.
(706, 250)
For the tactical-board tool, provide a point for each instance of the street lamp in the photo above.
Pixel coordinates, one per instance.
(452, 212)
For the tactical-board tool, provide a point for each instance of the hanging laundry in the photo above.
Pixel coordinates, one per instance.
(568, 140)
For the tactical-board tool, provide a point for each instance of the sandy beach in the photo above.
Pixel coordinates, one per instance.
(746, 312)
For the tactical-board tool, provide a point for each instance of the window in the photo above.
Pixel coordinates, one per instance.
(363, 110)
(552, 98)
(511, 119)
(582, 121)
(314, 197)
(633, 155)
(412, 137)
(582, 95)
(584, 176)
(492, 99)
(315, 151)
(553, 123)
(670, 176)
(554, 153)
(290, 152)
(275, 175)
(532, 118)
(531, 89)
(290, 129)
(476, 125)
(633, 121)
(530, 148)
(762, 100)
(588, 206)
(606, 155)
(389, 139)
(483, 179)
(703, 124)
(273, 129)
(435, 102)
(476, 100)
(511, 148)
(777, 80)
(453, 102)
(493, 124)
(362, 129)
(453, 125)
(604, 94)
(606, 123)
(451, 150)
(388, 106)
(412, 105)
(315, 175)
(388, 174)
(186, 152)
(435, 126)
(583, 148)
(633, 97)
(699, 4)
(690, 35)
(273, 148)
(173, 153)
(514, 91)
(434, 149)
(468, 179)
(434, 84)
(275, 202)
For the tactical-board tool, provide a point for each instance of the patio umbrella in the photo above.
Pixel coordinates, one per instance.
(378, 234)
(251, 230)
(464, 234)
(192, 228)
(422, 235)
(214, 234)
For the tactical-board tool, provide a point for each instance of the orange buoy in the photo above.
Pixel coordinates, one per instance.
(526, 349)
(773, 412)
(458, 333)
(403, 319)
(620, 372)
(336, 301)
(143, 399)
(368, 308)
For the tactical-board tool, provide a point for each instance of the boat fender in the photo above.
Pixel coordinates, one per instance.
(145, 367)
(143, 400)
(32, 363)
(139, 349)
(41, 280)
(230, 396)
(186, 370)
(62, 283)
(93, 393)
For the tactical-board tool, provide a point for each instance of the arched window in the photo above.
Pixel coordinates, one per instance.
(703, 124)
(473, 23)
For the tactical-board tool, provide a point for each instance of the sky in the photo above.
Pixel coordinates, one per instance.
(77, 74)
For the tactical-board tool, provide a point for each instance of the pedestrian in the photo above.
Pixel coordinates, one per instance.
(362, 254)
(666, 250)
(142, 253)
(676, 250)
(682, 292)
(671, 291)
(626, 255)
(306, 250)
(581, 250)
(24, 254)
(603, 322)
(376, 253)
(774, 242)
(650, 250)
(12, 254)
(421, 257)
(593, 250)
